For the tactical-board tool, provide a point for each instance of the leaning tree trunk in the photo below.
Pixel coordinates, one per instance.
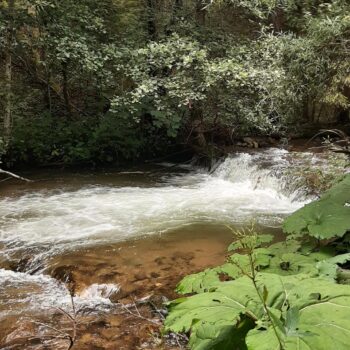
(7, 121)
(8, 98)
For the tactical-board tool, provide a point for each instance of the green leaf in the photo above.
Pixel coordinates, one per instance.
(292, 320)
(326, 218)
(209, 278)
(210, 337)
(261, 239)
(289, 246)
(329, 267)
(199, 282)
(292, 263)
(284, 258)
(222, 306)
(225, 305)
(317, 315)
(320, 323)
(250, 241)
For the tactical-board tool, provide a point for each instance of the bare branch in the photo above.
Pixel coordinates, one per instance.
(14, 175)
(137, 314)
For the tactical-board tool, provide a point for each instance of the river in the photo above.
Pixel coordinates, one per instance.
(117, 236)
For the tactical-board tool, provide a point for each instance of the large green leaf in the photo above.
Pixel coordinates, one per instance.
(225, 305)
(207, 279)
(326, 218)
(211, 337)
(222, 306)
(307, 313)
(322, 321)
(329, 267)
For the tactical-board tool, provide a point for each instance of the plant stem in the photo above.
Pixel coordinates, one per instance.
(253, 279)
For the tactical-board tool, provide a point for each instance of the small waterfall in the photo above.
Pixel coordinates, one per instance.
(99, 292)
(258, 171)
(265, 170)
(241, 188)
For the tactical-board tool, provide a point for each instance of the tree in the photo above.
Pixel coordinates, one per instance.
(7, 120)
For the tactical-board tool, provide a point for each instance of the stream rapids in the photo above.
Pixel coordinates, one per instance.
(51, 220)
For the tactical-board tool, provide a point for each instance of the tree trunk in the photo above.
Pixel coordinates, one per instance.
(201, 12)
(65, 88)
(151, 19)
(277, 18)
(8, 74)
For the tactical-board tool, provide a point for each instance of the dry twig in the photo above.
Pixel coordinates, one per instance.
(14, 175)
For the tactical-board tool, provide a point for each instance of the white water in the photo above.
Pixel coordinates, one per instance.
(237, 191)
(21, 292)
(47, 222)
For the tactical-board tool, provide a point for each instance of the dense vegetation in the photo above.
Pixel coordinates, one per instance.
(104, 81)
(288, 295)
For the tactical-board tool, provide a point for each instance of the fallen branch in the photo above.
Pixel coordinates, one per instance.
(336, 146)
(14, 175)
(136, 314)
(5, 179)
(337, 149)
(341, 134)
(63, 333)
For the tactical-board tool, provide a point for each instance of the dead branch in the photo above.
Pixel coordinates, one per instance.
(136, 314)
(336, 132)
(336, 146)
(6, 178)
(63, 334)
(14, 175)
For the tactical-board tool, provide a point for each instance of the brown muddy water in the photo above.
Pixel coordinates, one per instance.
(88, 259)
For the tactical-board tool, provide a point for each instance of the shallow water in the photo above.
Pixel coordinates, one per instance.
(139, 231)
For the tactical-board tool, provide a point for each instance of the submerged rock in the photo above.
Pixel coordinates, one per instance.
(65, 275)
(23, 331)
(187, 256)
(140, 276)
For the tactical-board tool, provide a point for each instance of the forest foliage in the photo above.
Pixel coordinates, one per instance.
(86, 81)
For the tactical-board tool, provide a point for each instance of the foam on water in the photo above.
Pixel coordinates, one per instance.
(238, 190)
(21, 292)
(99, 291)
